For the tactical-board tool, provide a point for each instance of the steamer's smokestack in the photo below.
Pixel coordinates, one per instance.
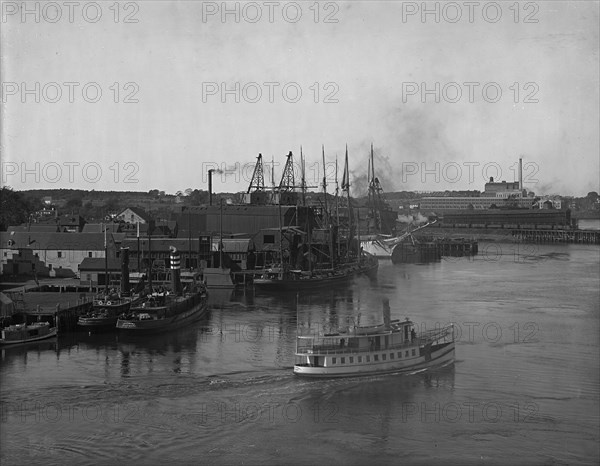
(386, 312)
(175, 269)
(521, 174)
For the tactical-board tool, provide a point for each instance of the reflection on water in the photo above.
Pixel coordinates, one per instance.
(222, 389)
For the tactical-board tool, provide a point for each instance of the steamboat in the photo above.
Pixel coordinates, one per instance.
(391, 347)
(166, 310)
(105, 312)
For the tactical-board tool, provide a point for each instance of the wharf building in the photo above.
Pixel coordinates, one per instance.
(46, 254)
(544, 219)
(495, 195)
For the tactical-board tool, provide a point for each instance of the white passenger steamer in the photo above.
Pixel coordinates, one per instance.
(391, 347)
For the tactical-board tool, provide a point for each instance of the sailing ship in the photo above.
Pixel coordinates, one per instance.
(382, 217)
(283, 277)
(165, 310)
(381, 238)
(24, 333)
(383, 246)
(391, 347)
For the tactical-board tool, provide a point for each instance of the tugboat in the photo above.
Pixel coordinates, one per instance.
(105, 312)
(23, 333)
(166, 310)
(391, 347)
(108, 306)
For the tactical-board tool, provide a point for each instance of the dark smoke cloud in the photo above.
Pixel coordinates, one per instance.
(385, 171)
(418, 134)
(413, 135)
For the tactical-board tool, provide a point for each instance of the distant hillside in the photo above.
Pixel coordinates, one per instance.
(98, 205)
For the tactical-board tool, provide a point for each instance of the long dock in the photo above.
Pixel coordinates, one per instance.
(557, 236)
(60, 309)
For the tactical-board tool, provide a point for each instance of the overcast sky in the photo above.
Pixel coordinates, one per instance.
(361, 67)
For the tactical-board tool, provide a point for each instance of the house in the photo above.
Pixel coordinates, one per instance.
(25, 263)
(92, 271)
(132, 231)
(165, 228)
(133, 215)
(64, 223)
(54, 224)
(47, 211)
(100, 227)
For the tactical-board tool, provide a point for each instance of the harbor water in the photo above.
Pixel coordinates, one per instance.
(524, 388)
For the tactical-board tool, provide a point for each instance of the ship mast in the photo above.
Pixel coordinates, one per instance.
(303, 176)
(337, 206)
(370, 202)
(273, 178)
(280, 239)
(346, 187)
(308, 215)
(221, 233)
(105, 263)
(326, 216)
(378, 207)
(326, 213)
(373, 193)
(149, 268)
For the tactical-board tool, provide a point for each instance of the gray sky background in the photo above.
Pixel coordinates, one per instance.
(173, 133)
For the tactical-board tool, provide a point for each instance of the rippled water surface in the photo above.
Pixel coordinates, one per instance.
(524, 388)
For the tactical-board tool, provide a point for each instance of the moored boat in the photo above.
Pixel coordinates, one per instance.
(161, 312)
(382, 246)
(24, 333)
(169, 309)
(391, 347)
(277, 279)
(105, 312)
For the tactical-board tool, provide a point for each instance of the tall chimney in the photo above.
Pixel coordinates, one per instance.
(210, 172)
(521, 174)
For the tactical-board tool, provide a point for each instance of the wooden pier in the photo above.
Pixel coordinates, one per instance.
(557, 236)
(60, 309)
(457, 247)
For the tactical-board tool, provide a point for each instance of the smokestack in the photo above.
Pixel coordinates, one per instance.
(386, 312)
(520, 173)
(175, 270)
(125, 271)
(210, 172)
